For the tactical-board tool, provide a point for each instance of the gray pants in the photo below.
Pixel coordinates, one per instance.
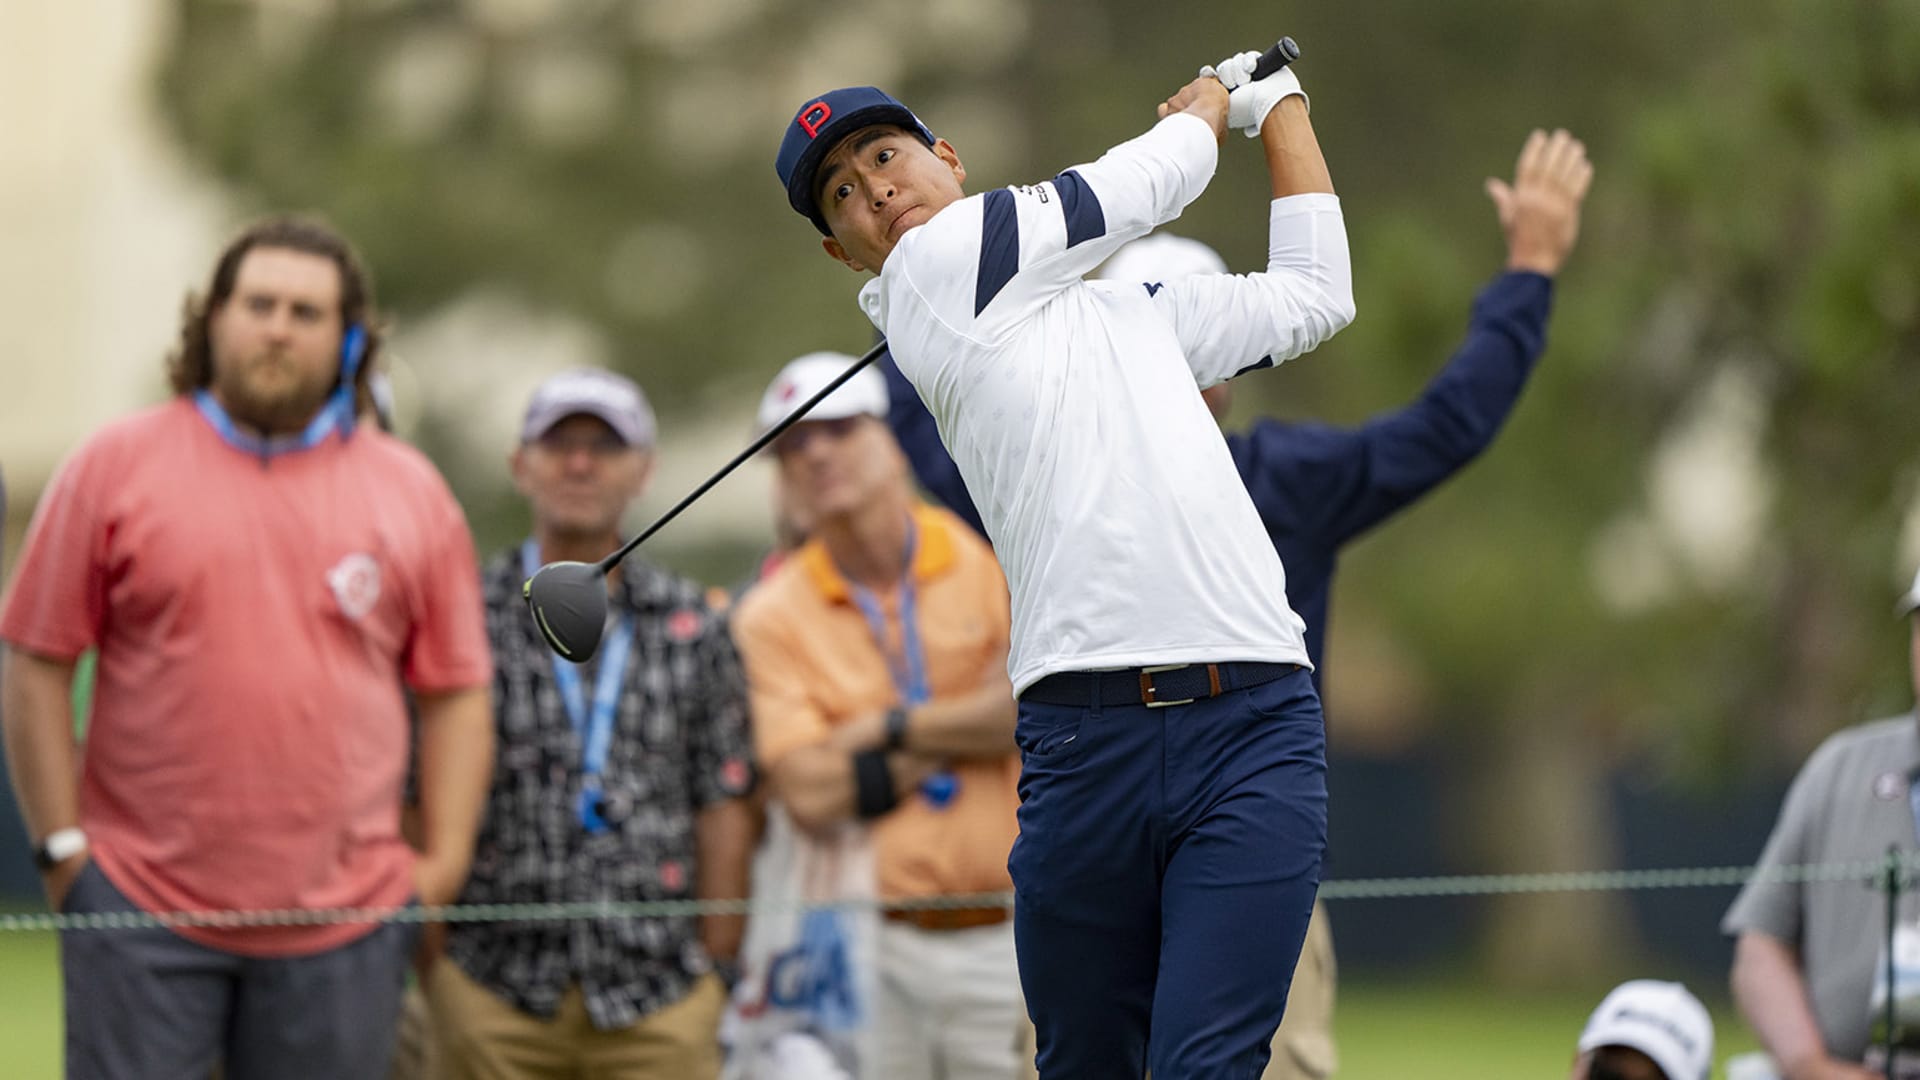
(150, 1004)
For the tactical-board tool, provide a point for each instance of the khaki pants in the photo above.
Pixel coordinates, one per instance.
(949, 1004)
(413, 1051)
(1303, 1047)
(481, 1037)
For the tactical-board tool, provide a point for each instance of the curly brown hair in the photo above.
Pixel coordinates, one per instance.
(190, 364)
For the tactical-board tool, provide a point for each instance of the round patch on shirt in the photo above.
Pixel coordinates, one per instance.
(1889, 786)
(355, 581)
(673, 877)
(733, 774)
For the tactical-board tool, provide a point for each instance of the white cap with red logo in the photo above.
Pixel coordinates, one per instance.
(863, 395)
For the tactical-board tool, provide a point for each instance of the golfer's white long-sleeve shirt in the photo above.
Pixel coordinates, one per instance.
(1073, 408)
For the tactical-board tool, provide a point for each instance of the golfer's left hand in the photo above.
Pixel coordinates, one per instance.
(1249, 101)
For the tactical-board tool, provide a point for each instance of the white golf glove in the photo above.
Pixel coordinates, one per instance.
(1249, 102)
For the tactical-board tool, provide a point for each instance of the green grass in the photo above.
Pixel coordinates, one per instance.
(1438, 1029)
(1432, 1028)
(29, 1006)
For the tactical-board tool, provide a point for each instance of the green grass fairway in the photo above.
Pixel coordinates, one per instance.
(1431, 1027)
(29, 1006)
(1437, 1029)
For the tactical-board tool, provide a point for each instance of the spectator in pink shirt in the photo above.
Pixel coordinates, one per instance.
(261, 577)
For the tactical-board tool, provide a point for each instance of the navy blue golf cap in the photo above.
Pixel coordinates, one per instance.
(820, 125)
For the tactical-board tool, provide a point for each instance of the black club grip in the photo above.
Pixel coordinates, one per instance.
(1284, 52)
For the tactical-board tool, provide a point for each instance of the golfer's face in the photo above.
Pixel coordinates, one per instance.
(877, 184)
(832, 468)
(579, 477)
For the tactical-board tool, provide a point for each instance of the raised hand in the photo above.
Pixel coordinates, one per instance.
(1250, 100)
(1540, 212)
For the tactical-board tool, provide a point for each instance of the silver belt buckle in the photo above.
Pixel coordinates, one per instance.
(1147, 688)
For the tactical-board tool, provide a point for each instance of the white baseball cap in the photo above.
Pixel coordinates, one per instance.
(863, 395)
(613, 398)
(1161, 257)
(1659, 1019)
(1910, 602)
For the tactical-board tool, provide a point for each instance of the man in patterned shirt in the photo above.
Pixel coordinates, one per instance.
(618, 780)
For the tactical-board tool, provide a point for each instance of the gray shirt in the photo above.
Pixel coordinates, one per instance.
(1849, 804)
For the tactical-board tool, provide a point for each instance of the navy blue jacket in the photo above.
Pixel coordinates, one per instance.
(1318, 486)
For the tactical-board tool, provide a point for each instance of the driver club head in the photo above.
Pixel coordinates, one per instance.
(569, 605)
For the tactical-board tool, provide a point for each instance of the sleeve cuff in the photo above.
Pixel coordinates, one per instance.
(1312, 202)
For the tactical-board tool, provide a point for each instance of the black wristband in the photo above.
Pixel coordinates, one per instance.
(897, 728)
(873, 792)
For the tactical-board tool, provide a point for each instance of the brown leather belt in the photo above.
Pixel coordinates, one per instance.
(1154, 687)
(965, 918)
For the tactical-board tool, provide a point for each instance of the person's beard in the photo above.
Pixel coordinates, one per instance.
(254, 392)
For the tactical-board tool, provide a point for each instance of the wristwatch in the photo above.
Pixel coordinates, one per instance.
(896, 728)
(59, 846)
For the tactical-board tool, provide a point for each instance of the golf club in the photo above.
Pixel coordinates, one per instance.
(1284, 52)
(569, 599)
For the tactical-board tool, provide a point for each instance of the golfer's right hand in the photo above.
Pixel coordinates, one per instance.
(1205, 98)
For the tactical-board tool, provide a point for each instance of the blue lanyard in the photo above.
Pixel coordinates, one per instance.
(335, 415)
(909, 666)
(323, 424)
(594, 728)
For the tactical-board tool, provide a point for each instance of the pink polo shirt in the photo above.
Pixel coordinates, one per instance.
(255, 620)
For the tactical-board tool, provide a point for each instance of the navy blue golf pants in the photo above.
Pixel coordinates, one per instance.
(1164, 873)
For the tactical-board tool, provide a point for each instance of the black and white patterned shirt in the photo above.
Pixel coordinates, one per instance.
(680, 742)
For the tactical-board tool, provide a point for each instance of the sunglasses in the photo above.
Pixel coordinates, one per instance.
(797, 437)
(602, 444)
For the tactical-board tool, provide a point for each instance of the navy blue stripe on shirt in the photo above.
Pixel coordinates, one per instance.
(1263, 362)
(999, 248)
(1085, 220)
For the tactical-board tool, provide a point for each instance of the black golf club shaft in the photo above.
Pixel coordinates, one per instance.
(1284, 52)
(753, 448)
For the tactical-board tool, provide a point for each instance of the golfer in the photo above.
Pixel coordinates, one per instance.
(1173, 790)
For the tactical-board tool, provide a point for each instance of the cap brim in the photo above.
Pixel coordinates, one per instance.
(602, 413)
(820, 413)
(800, 183)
